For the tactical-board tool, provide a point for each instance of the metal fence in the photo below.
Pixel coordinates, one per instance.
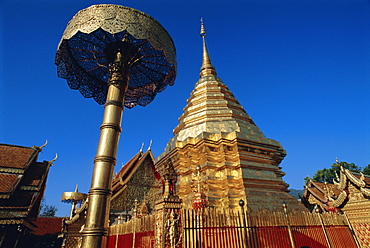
(214, 228)
(226, 228)
(137, 232)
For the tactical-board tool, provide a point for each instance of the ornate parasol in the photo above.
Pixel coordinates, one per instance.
(91, 40)
(74, 198)
(120, 57)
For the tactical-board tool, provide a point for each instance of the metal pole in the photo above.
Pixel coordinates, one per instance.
(241, 204)
(134, 219)
(317, 210)
(105, 160)
(285, 206)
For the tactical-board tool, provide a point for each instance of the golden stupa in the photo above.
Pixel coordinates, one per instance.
(236, 160)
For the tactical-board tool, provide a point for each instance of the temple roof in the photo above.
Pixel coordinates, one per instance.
(127, 170)
(329, 195)
(18, 157)
(22, 182)
(48, 226)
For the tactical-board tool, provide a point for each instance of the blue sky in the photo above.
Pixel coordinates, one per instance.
(300, 69)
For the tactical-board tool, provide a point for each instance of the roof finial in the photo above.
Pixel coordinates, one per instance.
(142, 146)
(150, 145)
(40, 147)
(207, 67)
(53, 160)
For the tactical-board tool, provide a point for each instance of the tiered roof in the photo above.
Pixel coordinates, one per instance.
(333, 197)
(22, 183)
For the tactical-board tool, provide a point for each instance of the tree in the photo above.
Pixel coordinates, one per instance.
(366, 170)
(328, 175)
(47, 210)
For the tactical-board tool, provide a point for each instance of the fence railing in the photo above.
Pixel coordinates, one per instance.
(214, 228)
(137, 232)
(227, 228)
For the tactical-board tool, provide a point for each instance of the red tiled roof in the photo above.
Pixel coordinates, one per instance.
(325, 187)
(22, 179)
(48, 225)
(126, 169)
(367, 180)
(34, 174)
(15, 156)
(129, 168)
(317, 193)
(7, 182)
(20, 199)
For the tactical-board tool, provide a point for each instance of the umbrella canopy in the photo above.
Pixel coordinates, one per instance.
(93, 37)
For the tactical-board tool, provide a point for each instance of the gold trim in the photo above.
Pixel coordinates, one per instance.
(354, 179)
(340, 200)
(365, 191)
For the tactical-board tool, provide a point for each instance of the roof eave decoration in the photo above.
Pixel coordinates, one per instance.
(24, 222)
(365, 191)
(51, 162)
(4, 196)
(340, 200)
(322, 199)
(357, 181)
(343, 181)
(40, 147)
(311, 199)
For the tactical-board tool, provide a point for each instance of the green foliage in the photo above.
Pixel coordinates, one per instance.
(306, 180)
(366, 170)
(47, 210)
(328, 175)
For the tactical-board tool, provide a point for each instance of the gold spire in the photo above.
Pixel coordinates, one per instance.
(207, 67)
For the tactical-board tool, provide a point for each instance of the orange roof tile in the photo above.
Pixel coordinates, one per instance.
(22, 181)
(48, 225)
(7, 182)
(16, 156)
(34, 174)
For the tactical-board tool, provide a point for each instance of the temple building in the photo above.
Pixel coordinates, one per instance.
(350, 194)
(236, 160)
(134, 191)
(22, 186)
(136, 181)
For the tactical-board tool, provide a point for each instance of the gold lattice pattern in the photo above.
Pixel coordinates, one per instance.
(363, 234)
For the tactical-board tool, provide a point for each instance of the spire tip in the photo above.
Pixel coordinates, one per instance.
(207, 67)
(202, 29)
